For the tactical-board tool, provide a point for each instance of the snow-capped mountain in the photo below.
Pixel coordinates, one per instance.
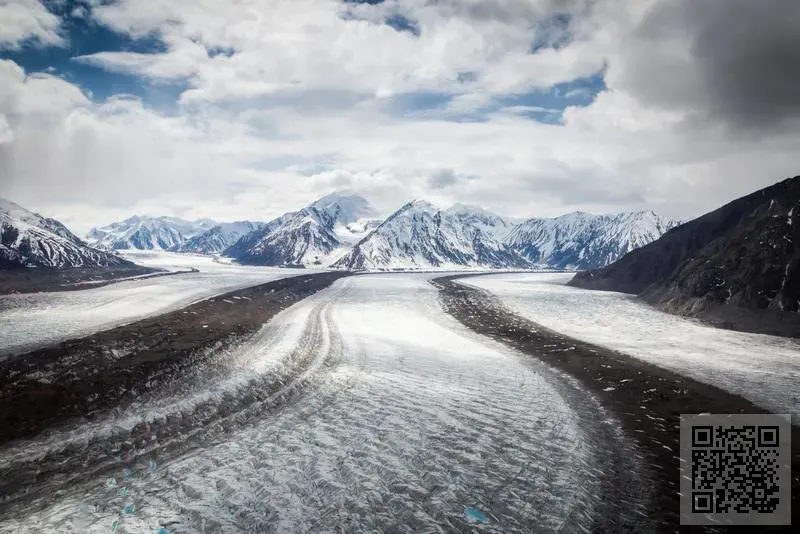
(341, 230)
(29, 240)
(584, 241)
(737, 266)
(315, 235)
(421, 236)
(344, 209)
(219, 237)
(147, 233)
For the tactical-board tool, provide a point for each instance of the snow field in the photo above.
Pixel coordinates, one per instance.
(763, 369)
(35, 319)
(409, 421)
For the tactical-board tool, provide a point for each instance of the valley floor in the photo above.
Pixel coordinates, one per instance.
(763, 369)
(371, 402)
(382, 413)
(647, 398)
(39, 280)
(37, 319)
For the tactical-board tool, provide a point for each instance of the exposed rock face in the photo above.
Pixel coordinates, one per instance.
(29, 240)
(738, 265)
(315, 235)
(421, 236)
(584, 241)
(218, 238)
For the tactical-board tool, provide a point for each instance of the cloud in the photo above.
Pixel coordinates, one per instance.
(6, 135)
(22, 20)
(733, 61)
(288, 101)
(329, 45)
(445, 178)
(37, 94)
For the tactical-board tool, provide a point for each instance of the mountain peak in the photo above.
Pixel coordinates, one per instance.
(344, 207)
(14, 210)
(146, 233)
(422, 204)
(29, 240)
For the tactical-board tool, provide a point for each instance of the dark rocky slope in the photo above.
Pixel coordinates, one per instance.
(737, 266)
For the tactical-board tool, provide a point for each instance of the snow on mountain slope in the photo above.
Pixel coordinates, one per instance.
(344, 208)
(30, 240)
(147, 233)
(420, 236)
(219, 237)
(487, 222)
(315, 235)
(342, 230)
(583, 241)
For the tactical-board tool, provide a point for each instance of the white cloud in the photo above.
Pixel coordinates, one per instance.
(36, 94)
(27, 19)
(301, 109)
(311, 45)
(6, 135)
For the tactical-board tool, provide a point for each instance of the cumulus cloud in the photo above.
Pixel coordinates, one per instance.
(330, 45)
(296, 107)
(27, 19)
(37, 94)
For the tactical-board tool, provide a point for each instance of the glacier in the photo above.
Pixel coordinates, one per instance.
(763, 369)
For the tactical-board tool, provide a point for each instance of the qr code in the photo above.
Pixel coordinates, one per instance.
(735, 469)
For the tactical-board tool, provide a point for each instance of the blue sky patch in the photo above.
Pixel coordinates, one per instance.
(215, 51)
(83, 37)
(578, 92)
(403, 24)
(541, 105)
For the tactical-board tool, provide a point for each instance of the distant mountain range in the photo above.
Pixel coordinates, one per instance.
(147, 233)
(28, 240)
(420, 236)
(583, 241)
(218, 237)
(344, 231)
(736, 266)
(315, 235)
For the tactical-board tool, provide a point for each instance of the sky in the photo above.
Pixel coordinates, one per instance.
(245, 109)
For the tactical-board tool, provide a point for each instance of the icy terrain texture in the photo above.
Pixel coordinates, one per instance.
(762, 369)
(407, 422)
(35, 319)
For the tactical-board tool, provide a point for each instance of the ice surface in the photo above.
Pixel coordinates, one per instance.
(409, 421)
(762, 369)
(35, 319)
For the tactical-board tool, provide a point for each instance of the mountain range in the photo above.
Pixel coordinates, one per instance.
(344, 231)
(315, 235)
(736, 266)
(147, 233)
(28, 240)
